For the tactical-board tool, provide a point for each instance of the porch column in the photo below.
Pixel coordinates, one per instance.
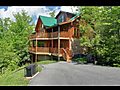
(32, 44)
(58, 43)
(52, 37)
(36, 51)
(31, 41)
(70, 47)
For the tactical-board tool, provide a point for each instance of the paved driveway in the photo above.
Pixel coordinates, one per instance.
(63, 73)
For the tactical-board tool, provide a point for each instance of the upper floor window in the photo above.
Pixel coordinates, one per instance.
(76, 32)
(40, 44)
(61, 19)
(42, 26)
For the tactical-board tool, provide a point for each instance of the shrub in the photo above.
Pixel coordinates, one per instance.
(81, 60)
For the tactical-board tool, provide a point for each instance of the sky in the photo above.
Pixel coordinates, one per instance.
(33, 11)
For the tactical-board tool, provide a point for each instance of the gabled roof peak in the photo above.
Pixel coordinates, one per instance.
(63, 12)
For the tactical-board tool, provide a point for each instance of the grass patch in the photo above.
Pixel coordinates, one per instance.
(14, 79)
(46, 62)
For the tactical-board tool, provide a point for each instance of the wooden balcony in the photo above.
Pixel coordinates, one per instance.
(39, 35)
(63, 34)
(44, 50)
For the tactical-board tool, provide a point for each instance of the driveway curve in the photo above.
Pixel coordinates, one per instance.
(65, 74)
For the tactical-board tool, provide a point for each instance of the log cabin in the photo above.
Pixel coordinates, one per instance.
(55, 37)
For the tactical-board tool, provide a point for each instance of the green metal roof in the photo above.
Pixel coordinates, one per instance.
(48, 21)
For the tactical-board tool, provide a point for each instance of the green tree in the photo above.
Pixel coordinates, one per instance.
(104, 20)
(8, 58)
(21, 29)
(88, 22)
(110, 35)
(14, 40)
(52, 14)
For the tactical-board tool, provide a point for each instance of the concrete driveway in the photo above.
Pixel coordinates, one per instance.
(63, 73)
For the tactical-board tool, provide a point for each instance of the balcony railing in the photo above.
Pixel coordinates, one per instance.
(44, 49)
(50, 35)
(39, 49)
(64, 34)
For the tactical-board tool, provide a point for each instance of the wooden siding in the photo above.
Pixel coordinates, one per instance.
(38, 25)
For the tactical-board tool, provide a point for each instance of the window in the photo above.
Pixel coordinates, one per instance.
(75, 32)
(42, 26)
(39, 44)
(61, 19)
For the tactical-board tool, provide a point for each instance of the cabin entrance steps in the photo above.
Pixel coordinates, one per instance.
(67, 54)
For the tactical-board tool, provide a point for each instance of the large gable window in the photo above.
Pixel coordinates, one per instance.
(61, 19)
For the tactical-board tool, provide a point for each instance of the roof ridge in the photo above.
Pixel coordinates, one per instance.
(66, 11)
(47, 16)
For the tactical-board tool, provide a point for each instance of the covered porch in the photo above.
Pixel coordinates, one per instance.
(47, 47)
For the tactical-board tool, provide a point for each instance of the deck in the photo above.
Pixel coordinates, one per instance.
(45, 51)
(50, 36)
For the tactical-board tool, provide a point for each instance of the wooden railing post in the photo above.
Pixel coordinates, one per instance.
(58, 43)
(52, 37)
(36, 51)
